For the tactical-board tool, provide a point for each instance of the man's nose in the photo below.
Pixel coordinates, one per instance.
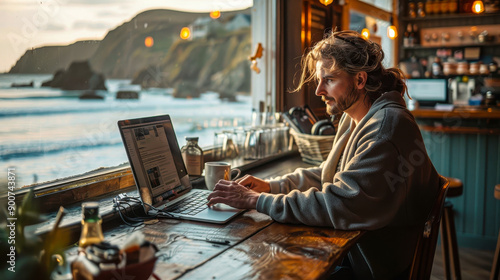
(319, 91)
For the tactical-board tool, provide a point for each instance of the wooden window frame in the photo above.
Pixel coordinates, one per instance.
(373, 11)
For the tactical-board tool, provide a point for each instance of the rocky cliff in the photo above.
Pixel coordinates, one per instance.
(217, 63)
(49, 59)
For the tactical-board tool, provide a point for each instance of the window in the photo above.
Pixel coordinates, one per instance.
(378, 33)
(382, 4)
(376, 16)
(68, 126)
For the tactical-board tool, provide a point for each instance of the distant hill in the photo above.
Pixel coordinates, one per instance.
(49, 59)
(122, 53)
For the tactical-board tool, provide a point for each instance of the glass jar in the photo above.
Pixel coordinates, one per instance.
(444, 6)
(463, 68)
(429, 7)
(91, 225)
(192, 155)
(453, 6)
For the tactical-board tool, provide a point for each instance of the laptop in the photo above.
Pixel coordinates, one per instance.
(161, 176)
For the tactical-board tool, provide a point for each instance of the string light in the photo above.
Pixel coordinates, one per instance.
(185, 33)
(365, 33)
(215, 14)
(477, 7)
(149, 42)
(392, 31)
(326, 2)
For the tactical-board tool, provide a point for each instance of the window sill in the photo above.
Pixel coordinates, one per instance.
(112, 182)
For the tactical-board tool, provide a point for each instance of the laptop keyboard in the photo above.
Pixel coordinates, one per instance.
(191, 205)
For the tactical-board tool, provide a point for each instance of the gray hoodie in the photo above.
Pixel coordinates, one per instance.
(386, 184)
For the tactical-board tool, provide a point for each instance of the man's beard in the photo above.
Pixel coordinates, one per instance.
(343, 103)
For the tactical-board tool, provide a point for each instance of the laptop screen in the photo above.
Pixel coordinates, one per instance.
(154, 157)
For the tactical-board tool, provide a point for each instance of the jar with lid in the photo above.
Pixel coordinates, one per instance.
(462, 68)
(91, 225)
(474, 68)
(192, 155)
(493, 67)
(449, 68)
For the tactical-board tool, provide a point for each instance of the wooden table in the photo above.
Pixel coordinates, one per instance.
(256, 248)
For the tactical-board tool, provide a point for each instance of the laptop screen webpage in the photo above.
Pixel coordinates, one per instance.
(154, 157)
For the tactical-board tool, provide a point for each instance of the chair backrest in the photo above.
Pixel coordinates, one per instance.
(426, 244)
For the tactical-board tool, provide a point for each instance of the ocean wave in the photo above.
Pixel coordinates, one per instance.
(47, 111)
(15, 151)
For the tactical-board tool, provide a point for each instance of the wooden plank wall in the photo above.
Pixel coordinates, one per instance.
(474, 159)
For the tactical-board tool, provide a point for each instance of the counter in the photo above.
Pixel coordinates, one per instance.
(464, 144)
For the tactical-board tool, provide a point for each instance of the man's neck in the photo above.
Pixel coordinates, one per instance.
(358, 110)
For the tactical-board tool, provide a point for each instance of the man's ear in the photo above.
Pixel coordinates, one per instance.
(360, 79)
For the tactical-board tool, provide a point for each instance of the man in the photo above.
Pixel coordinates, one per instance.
(377, 177)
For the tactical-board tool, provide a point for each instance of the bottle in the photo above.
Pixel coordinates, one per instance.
(420, 9)
(437, 68)
(91, 225)
(412, 11)
(192, 155)
(411, 35)
(416, 35)
(406, 37)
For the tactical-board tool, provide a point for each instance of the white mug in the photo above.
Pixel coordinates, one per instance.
(217, 170)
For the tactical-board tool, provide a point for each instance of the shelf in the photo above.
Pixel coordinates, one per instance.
(452, 16)
(453, 46)
(452, 76)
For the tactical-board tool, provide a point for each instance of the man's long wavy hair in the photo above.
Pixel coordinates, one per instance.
(350, 52)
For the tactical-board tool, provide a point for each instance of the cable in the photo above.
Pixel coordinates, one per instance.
(123, 204)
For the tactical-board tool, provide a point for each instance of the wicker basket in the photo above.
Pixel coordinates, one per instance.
(313, 149)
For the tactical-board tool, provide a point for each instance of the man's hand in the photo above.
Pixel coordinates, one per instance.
(233, 194)
(254, 183)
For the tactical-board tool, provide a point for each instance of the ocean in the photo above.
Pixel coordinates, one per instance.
(48, 133)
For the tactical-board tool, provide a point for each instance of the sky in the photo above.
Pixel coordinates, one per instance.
(26, 24)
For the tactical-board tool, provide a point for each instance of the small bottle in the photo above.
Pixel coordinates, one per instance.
(192, 155)
(416, 35)
(412, 11)
(421, 9)
(437, 68)
(406, 38)
(91, 225)
(411, 35)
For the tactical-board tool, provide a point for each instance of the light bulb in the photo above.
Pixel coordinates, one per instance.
(392, 32)
(185, 33)
(149, 42)
(477, 7)
(215, 14)
(326, 2)
(365, 33)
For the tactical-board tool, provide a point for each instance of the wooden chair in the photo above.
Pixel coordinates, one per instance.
(449, 242)
(495, 268)
(426, 245)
